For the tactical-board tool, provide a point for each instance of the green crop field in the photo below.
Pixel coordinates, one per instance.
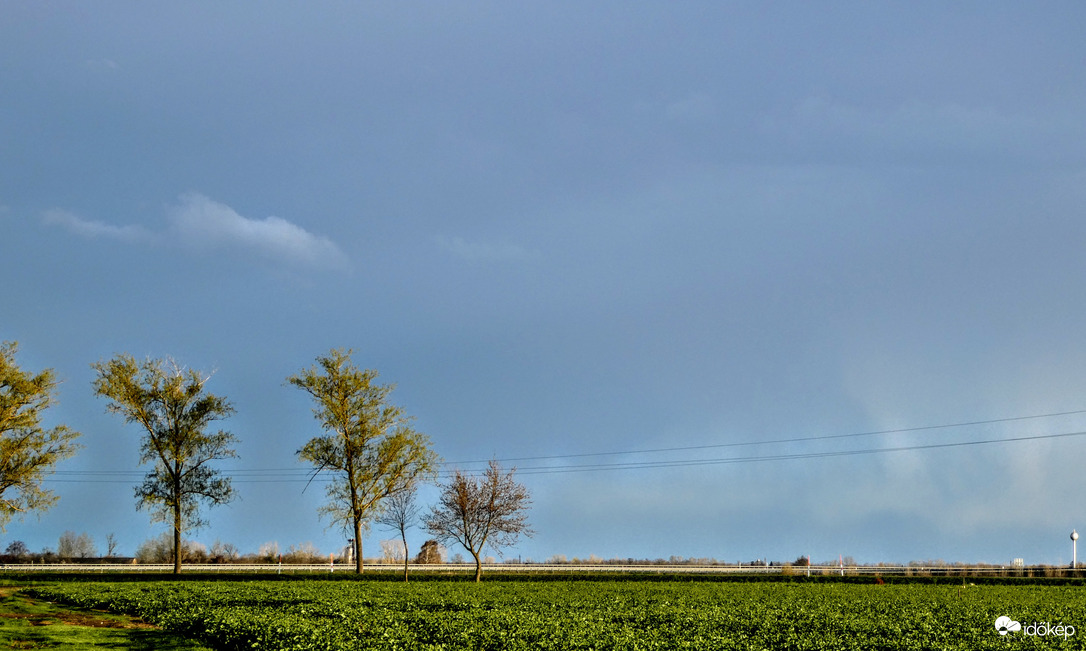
(597, 614)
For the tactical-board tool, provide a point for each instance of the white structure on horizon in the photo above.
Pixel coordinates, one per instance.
(1074, 549)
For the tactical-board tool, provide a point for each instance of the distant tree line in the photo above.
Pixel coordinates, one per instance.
(375, 458)
(72, 547)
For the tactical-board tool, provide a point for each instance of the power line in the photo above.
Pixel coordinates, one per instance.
(778, 441)
(781, 457)
(300, 475)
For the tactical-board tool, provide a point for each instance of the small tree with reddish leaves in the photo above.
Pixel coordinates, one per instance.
(478, 512)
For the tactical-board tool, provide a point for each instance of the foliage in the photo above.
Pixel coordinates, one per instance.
(72, 546)
(370, 449)
(171, 405)
(588, 614)
(28, 451)
(478, 514)
(430, 553)
(17, 549)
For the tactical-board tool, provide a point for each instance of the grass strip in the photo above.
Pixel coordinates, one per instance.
(29, 623)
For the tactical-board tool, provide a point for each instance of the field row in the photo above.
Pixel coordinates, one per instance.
(594, 615)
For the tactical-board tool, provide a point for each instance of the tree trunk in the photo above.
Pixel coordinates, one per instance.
(177, 537)
(358, 546)
(478, 567)
(403, 534)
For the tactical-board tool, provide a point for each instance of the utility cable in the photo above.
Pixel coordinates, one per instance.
(302, 474)
(802, 439)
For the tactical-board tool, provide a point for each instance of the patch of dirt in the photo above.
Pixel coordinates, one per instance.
(88, 619)
(77, 619)
(73, 617)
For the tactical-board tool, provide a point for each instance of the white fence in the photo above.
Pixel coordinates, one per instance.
(794, 570)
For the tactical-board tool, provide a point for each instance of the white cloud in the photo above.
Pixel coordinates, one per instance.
(483, 251)
(95, 229)
(201, 221)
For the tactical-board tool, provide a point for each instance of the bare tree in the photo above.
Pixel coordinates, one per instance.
(401, 513)
(72, 546)
(17, 548)
(111, 544)
(269, 551)
(27, 450)
(302, 553)
(224, 552)
(477, 514)
(160, 549)
(392, 551)
(170, 403)
(66, 545)
(370, 449)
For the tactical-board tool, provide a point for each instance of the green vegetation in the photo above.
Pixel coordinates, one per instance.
(371, 450)
(30, 624)
(171, 405)
(598, 614)
(28, 451)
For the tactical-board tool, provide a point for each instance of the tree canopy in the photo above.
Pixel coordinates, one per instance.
(371, 450)
(479, 512)
(28, 450)
(171, 405)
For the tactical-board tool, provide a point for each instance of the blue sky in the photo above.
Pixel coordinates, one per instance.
(571, 229)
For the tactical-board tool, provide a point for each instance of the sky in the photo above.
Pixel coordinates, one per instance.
(719, 279)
